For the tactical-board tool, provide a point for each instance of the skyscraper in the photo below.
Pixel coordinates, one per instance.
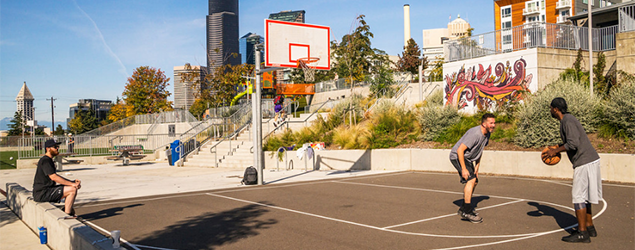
(222, 34)
(185, 92)
(247, 43)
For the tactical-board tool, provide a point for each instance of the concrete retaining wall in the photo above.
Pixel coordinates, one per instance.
(615, 167)
(62, 233)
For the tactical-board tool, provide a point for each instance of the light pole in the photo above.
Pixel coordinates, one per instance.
(590, 24)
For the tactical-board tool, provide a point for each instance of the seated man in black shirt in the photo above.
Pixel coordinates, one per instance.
(44, 184)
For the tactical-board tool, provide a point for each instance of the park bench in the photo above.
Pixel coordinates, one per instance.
(125, 153)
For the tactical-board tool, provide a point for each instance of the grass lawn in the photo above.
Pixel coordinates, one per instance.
(8, 159)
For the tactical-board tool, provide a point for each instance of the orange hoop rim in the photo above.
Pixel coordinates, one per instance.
(307, 60)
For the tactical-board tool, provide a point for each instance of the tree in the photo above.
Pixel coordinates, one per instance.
(17, 125)
(146, 91)
(410, 59)
(199, 106)
(354, 56)
(217, 88)
(297, 75)
(58, 130)
(381, 83)
(437, 70)
(39, 131)
(83, 121)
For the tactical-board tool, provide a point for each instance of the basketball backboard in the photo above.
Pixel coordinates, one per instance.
(286, 42)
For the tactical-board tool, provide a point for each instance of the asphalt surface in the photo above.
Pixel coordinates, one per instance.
(405, 210)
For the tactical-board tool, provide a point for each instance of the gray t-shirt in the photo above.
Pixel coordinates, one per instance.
(575, 140)
(475, 142)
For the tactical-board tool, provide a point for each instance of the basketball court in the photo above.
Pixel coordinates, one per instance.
(404, 210)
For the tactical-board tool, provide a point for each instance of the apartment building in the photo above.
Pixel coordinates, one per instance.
(510, 13)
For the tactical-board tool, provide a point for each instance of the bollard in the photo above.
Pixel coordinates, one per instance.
(115, 238)
(43, 236)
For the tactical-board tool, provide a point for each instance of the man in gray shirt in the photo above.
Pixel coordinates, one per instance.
(587, 181)
(466, 158)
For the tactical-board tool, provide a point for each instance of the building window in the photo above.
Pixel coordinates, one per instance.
(532, 19)
(565, 12)
(507, 39)
(507, 25)
(506, 11)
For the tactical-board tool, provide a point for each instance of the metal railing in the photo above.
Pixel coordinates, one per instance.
(156, 118)
(532, 35)
(626, 18)
(193, 139)
(339, 84)
(89, 145)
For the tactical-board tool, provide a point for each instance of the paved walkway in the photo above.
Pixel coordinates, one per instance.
(14, 234)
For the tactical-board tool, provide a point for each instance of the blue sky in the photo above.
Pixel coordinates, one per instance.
(86, 49)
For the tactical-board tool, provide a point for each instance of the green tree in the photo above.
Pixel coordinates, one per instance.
(58, 130)
(17, 125)
(217, 88)
(146, 91)
(83, 121)
(437, 70)
(599, 80)
(382, 83)
(39, 131)
(410, 59)
(199, 106)
(297, 75)
(354, 57)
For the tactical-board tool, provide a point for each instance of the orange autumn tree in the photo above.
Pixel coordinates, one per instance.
(146, 91)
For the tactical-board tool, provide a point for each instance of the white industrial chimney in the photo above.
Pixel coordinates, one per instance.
(406, 24)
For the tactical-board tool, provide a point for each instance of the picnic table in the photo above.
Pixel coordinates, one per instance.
(126, 153)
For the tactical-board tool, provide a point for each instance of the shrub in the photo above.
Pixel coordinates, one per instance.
(435, 98)
(536, 127)
(455, 131)
(349, 137)
(618, 113)
(434, 120)
(391, 125)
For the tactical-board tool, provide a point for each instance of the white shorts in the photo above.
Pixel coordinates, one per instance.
(587, 183)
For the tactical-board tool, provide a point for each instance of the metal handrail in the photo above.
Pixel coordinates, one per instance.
(234, 134)
(305, 120)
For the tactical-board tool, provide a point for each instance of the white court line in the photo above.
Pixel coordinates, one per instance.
(508, 177)
(104, 230)
(527, 237)
(422, 189)
(151, 247)
(448, 215)
(398, 231)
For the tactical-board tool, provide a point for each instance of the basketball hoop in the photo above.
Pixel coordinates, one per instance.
(305, 63)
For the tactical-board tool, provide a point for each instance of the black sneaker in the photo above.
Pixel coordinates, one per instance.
(592, 231)
(471, 217)
(578, 236)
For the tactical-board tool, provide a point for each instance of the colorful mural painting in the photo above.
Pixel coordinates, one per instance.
(483, 89)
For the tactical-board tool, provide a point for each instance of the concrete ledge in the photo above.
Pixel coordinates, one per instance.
(615, 167)
(62, 233)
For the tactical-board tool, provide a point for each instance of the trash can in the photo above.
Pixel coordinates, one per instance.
(174, 152)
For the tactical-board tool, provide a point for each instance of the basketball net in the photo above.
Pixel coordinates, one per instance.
(305, 63)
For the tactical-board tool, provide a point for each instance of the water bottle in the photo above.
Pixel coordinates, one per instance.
(43, 237)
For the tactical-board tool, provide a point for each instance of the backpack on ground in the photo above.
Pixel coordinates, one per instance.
(278, 100)
(250, 177)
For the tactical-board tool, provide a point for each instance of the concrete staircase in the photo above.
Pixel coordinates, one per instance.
(236, 153)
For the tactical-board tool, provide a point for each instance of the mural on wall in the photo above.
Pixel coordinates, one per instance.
(483, 89)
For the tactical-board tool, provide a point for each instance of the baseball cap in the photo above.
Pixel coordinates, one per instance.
(51, 143)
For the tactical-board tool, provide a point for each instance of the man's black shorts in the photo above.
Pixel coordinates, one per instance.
(470, 168)
(52, 194)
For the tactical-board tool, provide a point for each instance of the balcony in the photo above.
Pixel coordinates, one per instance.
(562, 4)
(531, 10)
(563, 19)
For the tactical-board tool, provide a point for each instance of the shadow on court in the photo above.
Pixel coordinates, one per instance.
(475, 201)
(563, 219)
(211, 229)
(110, 212)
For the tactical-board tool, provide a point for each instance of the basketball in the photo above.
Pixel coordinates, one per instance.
(550, 160)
